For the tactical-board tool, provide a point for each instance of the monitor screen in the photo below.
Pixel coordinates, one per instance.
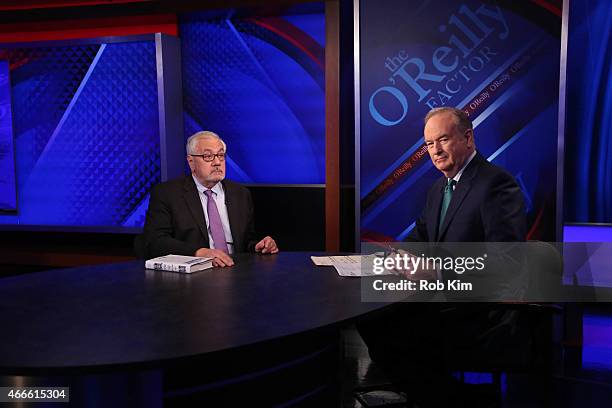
(8, 193)
(86, 134)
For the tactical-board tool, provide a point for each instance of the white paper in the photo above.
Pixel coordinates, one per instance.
(322, 260)
(349, 265)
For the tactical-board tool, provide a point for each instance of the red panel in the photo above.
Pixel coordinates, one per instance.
(38, 4)
(293, 35)
(552, 6)
(88, 28)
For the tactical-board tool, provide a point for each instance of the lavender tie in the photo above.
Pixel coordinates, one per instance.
(214, 223)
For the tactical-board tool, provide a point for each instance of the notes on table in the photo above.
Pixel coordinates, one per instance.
(349, 265)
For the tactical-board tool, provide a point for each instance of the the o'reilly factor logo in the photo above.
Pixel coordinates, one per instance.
(436, 80)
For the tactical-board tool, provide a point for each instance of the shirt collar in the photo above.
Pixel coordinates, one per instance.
(460, 172)
(217, 188)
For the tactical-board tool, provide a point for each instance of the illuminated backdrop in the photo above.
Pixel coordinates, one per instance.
(259, 83)
(499, 64)
(86, 133)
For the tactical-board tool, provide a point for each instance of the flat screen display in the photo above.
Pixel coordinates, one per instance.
(8, 193)
(86, 134)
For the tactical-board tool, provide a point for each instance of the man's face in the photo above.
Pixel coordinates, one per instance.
(447, 146)
(207, 173)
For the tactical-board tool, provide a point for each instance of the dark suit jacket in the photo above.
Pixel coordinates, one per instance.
(176, 224)
(486, 206)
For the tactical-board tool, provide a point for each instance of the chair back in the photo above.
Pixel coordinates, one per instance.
(545, 268)
(139, 247)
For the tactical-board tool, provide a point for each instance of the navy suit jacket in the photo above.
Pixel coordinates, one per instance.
(176, 224)
(486, 206)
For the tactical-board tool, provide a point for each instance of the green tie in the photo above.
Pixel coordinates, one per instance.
(446, 199)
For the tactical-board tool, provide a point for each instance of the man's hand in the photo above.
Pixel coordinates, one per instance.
(266, 246)
(220, 258)
(411, 267)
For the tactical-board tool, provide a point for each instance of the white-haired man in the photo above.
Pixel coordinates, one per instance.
(203, 214)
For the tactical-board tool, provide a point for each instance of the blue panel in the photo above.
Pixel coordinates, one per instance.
(87, 129)
(258, 83)
(587, 233)
(588, 138)
(597, 342)
(8, 193)
(311, 24)
(44, 81)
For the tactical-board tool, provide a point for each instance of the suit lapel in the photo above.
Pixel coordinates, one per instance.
(192, 198)
(458, 196)
(435, 209)
(461, 191)
(233, 212)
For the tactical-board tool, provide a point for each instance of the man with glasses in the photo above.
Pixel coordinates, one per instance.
(203, 214)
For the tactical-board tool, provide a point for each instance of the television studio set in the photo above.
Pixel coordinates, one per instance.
(290, 203)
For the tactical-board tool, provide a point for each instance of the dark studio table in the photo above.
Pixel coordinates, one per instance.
(264, 331)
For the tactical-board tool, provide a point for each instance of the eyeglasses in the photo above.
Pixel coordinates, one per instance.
(207, 157)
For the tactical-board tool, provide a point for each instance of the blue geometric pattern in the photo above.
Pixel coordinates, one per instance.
(42, 89)
(266, 105)
(93, 151)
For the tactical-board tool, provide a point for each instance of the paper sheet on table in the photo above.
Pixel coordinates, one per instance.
(349, 265)
(322, 260)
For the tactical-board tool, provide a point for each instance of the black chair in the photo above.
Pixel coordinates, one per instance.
(527, 345)
(139, 247)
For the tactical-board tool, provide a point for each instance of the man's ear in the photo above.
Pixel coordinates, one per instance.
(190, 162)
(469, 135)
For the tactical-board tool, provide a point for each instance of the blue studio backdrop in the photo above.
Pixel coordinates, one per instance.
(259, 84)
(86, 133)
(500, 64)
(8, 192)
(86, 128)
(588, 135)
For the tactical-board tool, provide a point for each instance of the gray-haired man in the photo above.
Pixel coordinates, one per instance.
(203, 214)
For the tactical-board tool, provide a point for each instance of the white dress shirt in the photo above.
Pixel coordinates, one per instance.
(460, 172)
